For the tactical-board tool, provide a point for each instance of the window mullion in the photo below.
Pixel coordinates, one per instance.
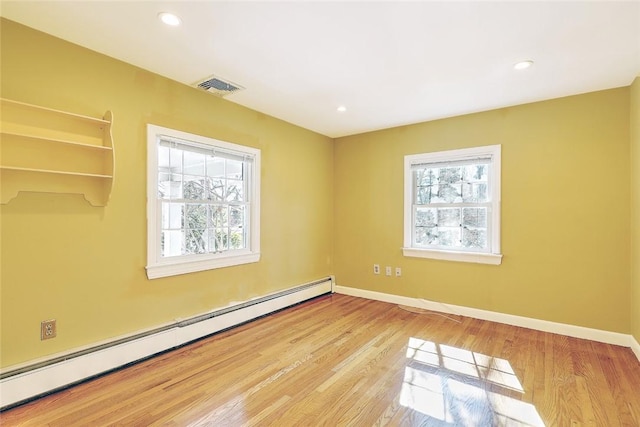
(453, 205)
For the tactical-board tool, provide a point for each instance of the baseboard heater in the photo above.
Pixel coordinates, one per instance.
(26, 382)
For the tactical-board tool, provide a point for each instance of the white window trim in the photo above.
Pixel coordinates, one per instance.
(157, 266)
(494, 256)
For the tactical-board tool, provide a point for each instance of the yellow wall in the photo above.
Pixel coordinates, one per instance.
(635, 209)
(565, 229)
(84, 266)
(565, 211)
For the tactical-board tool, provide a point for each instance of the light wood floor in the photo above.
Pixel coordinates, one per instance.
(339, 360)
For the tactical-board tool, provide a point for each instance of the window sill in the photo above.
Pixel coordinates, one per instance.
(477, 257)
(183, 267)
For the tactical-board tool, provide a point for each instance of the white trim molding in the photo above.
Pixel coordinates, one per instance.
(635, 347)
(42, 376)
(491, 155)
(477, 257)
(508, 319)
(160, 266)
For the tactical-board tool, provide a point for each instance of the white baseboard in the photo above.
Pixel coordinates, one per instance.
(635, 347)
(58, 374)
(509, 319)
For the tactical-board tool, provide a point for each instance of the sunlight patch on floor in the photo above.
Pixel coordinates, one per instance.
(450, 384)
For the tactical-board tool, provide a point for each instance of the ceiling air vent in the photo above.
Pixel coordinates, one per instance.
(217, 86)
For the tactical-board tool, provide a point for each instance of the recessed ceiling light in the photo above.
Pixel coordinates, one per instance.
(341, 109)
(169, 18)
(523, 65)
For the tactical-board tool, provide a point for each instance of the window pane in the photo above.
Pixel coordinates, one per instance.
(426, 236)
(234, 169)
(172, 215)
(474, 192)
(175, 160)
(171, 243)
(426, 195)
(218, 216)
(215, 167)
(449, 193)
(196, 241)
(425, 177)
(426, 217)
(449, 175)
(474, 217)
(219, 240)
(236, 238)
(194, 187)
(216, 189)
(474, 238)
(475, 173)
(194, 163)
(449, 217)
(195, 216)
(449, 236)
(234, 191)
(163, 158)
(169, 186)
(236, 216)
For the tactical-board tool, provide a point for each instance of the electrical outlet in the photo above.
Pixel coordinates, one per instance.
(376, 268)
(48, 329)
(387, 271)
(398, 272)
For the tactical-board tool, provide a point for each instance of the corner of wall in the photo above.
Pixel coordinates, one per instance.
(635, 207)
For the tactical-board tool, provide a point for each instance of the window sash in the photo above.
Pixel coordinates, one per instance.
(244, 226)
(461, 226)
(465, 183)
(188, 146)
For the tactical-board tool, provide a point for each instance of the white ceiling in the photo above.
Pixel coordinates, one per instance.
(390, 63)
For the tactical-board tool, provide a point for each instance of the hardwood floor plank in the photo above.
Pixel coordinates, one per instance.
(344, 361)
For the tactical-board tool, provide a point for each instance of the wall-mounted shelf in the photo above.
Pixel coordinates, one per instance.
(53, 151)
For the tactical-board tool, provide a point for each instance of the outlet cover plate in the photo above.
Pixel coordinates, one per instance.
(48, 329)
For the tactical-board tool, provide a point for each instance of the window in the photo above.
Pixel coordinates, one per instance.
(203, 203)
(452, 205)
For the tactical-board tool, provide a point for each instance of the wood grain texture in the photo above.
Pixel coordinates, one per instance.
(344, 361)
